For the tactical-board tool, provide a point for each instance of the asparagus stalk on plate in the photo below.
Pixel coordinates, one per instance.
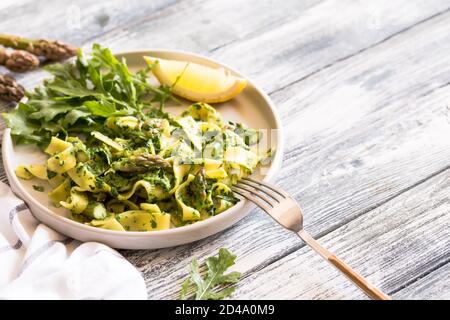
(52, 50)
(10, 90)
(18, 60)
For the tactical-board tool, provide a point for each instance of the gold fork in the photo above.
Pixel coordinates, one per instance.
(286, 211)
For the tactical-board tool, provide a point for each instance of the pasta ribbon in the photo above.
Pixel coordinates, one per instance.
(151, 191)
(147, 170)
(241, 157)
(77, 201)
(222, 197)
(188, 213)
(62, 161)
(150, 207)
(57, 145)
(119, 206)
(180, 170)
(192, 130)
(23, 173)
(140, 220)
(60, 193)
(203, 112)
(33, 170)
(84, 178)
(109, 223)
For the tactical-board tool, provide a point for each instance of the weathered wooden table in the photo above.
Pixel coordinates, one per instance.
(363, 88)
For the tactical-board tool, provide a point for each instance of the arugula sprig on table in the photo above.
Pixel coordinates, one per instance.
(81, 95)
(212, 284)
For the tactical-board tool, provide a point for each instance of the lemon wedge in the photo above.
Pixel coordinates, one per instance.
(196, 82)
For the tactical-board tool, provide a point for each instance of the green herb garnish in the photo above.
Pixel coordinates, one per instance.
(115, 141)
(51, 174)
(212, 285)
(38, 188)
(81, 95)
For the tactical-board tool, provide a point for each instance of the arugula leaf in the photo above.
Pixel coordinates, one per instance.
(81, 95)
(62, 71)
(76, 114)
(71, 89)
(49, 112)
(211, 286)
(17, 121)
(101, 108)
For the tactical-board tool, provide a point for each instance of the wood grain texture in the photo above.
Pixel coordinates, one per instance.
(367, 128)
(434, 286)
(319, 37)
(74, 21)
(160, 24)
(203, 26)
(363, 96)
(188, 26)
(381, 141)
(275, 44)
(391, 245)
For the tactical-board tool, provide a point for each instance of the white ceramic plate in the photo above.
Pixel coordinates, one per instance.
(252, 107)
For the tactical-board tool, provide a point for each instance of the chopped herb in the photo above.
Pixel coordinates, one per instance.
(99, 184)
(51, 174)
(114, 192)
(80, 96)
(117, 149)
(38, 188)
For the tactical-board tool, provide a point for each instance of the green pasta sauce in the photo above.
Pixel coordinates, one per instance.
(149, 173)
(116, 159)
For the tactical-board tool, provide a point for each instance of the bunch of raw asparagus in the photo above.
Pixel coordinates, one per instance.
(24, 55)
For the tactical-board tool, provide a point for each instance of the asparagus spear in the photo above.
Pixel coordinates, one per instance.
(140, 163)
(95, 210)
(10, 90)
(18, 60)
(52, 50)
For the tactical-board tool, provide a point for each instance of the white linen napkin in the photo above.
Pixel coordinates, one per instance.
(36, 262)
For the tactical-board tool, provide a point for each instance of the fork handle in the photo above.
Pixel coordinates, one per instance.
(351, 274)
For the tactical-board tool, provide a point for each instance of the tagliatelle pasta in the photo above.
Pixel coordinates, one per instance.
(149, 172)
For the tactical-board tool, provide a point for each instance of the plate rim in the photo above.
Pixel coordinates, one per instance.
(274, 168)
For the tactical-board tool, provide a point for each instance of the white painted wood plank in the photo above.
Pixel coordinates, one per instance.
(320, 36)
(189, 26)
(160, 24)
(434, 286)
(375, 124)
(295, 39)
(391, 245)
(74, 21)
(201, 26)
(350, 165)
(251, 239)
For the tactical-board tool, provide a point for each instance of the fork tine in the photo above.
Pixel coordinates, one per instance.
(275, 196)
(268, 186)
(256, 193)
(248, 196)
